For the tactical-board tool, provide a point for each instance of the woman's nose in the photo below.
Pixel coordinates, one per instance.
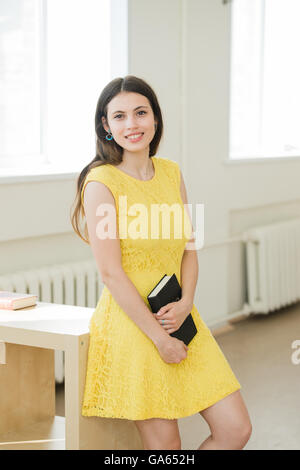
(131, 121)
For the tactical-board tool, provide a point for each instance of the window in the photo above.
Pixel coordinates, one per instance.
(265, 77)
(21, 40)
(55, 59)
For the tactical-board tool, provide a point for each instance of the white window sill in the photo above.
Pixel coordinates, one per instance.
(233, 161)
(42, 173)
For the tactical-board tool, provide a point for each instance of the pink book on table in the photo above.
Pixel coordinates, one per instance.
(14, 300)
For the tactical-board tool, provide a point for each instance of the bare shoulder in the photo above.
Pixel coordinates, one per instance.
(101, 220)
(96, 192)
(95, 189)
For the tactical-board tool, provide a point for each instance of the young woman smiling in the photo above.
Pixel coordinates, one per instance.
(136, 370)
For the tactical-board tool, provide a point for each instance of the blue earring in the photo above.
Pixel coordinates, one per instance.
(109, 136)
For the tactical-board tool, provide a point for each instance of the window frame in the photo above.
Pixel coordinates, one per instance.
(254, 158)
(47, 170)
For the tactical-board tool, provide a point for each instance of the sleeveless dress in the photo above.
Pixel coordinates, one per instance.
(126, 376)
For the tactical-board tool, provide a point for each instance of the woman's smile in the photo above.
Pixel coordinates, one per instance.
(135, 137)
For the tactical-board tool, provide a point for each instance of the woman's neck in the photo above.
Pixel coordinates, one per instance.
(138, 166)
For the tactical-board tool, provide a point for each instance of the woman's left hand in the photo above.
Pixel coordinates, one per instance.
(172, 315)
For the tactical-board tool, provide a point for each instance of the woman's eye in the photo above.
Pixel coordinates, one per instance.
(120, 115)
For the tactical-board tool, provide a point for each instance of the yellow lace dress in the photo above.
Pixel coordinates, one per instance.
(126, 377)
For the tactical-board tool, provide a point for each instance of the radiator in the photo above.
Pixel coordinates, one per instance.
(72, 284)
(273, 265)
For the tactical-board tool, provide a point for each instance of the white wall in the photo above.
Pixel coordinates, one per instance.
(182, 48)
(37, 228)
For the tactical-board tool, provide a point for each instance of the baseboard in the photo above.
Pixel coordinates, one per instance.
(220, 330)
(226, 326)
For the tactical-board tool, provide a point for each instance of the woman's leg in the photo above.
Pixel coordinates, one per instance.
(159, 434)
(229, 424)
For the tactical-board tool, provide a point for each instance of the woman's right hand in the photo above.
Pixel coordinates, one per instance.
(172, 350)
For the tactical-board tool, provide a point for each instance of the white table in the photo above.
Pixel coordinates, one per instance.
(28, 339)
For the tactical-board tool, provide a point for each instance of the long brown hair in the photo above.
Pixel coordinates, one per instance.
(110, 151)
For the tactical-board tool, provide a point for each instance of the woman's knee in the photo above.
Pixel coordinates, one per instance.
(237, 435)
(246, 431)
(229, 421)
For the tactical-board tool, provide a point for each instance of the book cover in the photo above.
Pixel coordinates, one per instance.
(15, 300)
(168, 290)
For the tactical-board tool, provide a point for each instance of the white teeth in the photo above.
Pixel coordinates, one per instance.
(134, 136)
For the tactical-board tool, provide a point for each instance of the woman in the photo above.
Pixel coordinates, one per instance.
(136, 370)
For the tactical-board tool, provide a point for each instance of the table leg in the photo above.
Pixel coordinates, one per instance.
(90, 432)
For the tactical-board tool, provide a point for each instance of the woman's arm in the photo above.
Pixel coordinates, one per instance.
(107, 253)
(189, 262)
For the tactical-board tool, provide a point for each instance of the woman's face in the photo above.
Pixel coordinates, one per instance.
(130, 113)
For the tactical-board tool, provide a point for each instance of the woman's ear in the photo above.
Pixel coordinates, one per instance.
(104, 123)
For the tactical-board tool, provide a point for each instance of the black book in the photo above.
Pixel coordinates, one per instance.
(168, 290)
